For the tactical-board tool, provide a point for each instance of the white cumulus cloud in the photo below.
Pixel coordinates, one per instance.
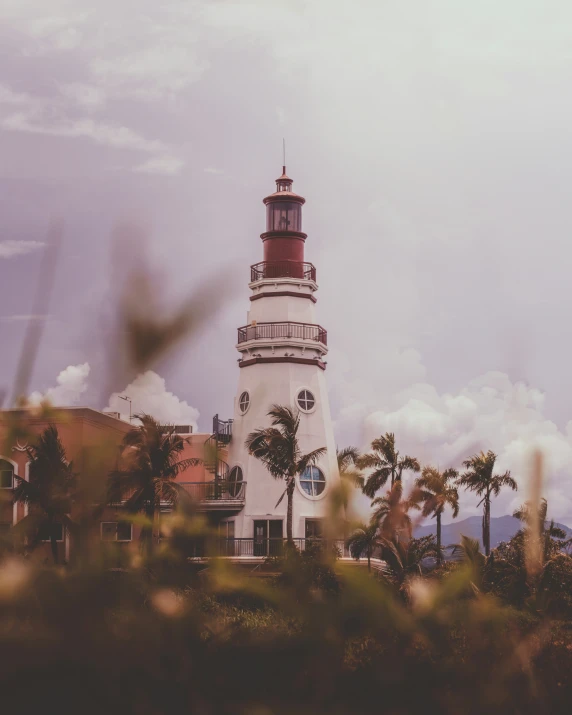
(148, 393)
(71, 384)
(490, 412)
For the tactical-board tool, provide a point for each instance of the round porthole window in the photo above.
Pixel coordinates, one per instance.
(312, 481)
(244, 402)
(306, 400)
(235, 482)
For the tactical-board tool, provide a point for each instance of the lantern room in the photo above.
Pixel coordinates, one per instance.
(284, 207)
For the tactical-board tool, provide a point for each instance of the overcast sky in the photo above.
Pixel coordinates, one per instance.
(432, 142)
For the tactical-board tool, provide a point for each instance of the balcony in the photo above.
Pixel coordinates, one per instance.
(217, 494)
(262, 547)
(222, 430)
(283, 331)
(282, 269)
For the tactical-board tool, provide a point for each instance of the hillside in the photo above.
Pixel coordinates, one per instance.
(503, 528)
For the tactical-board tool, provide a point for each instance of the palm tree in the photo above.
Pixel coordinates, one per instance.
(391, 513)
(480, 478)
(403, 557)
(49, 491)
(386, 463)
(363, 541)
(552, 537)
(149, 465)
(347, 465)
(470, 552)
(350, 475)
(278, 449)
(437, 492)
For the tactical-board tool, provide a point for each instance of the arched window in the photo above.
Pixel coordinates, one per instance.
(312, 481)
(306, 400)
(235, 482)
(6, 474)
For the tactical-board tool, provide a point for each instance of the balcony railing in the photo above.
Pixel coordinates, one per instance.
(215, 491)
(262, 547)
(270, 331)
(222, 430)
(282, 269)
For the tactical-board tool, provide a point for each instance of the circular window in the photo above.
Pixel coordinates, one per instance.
(244, 402)
(306, 400)
(235, 482)
(313, 481)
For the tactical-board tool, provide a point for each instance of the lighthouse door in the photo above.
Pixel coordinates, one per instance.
(260, 538)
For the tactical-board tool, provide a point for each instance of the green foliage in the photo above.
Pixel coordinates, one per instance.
(146, 476)
(324, 638)
(481, 479)
(386, 464)
(364, 540)
(48, 492)
(556, 585)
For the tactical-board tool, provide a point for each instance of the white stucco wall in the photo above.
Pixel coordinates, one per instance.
(280, 383)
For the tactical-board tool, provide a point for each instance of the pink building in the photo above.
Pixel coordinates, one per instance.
(91, 440)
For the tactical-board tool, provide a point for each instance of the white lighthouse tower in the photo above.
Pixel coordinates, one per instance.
(282, 350)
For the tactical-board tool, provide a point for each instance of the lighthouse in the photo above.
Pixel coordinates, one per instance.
(282, 361)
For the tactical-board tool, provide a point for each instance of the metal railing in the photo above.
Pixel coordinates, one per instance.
(222, 430)
(282, 269)
(215, 491)
(262, 547)
(271, 331)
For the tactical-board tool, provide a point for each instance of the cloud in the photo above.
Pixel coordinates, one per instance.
(71, 385)
(148, 393)
(490, 412)
(166, 66)
(8, 96)
(157, 57)
(85, 95)
(167, 165)
(120, 137)
(9, 249)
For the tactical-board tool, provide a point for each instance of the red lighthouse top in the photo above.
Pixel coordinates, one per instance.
(284, 190)
(283, 238)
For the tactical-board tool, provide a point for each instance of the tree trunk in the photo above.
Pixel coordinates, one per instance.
(54, 544)
(369, 559)
(290, 498)
(487, 525)
(156, 535)
(439, 554)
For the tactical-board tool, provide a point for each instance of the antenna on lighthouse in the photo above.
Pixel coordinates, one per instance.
(283, 155)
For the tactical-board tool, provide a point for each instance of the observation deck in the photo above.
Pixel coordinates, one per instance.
(282, 269)
(286, 331)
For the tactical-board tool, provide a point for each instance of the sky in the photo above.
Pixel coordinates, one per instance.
(431, 140)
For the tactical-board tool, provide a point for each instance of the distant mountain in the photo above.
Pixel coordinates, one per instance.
(503, 528)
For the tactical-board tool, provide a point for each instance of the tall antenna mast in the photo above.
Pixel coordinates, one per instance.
(283, 155)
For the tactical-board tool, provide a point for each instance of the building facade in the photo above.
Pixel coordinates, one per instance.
(91, 440)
